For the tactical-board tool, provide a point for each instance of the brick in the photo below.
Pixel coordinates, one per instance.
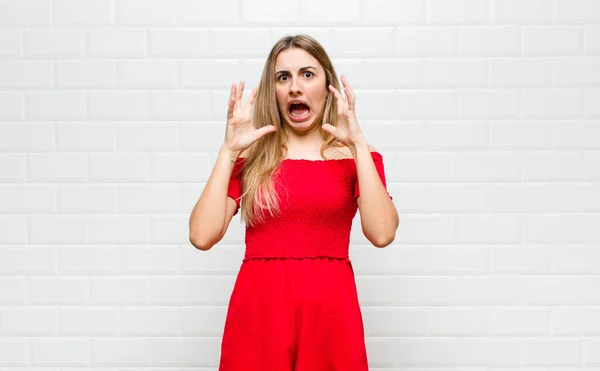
(149, 259)
(14, 229)
(209, 73)
(119, 167)
(35, 137)
(83, 13)
(577, 11)
(149, 199)
(85, 136)
(577, 134)
(477, 290)
(57, 167)
(443, 12)
(26, 74)
(556, 40)
(493, 229)
(334, 11)
(426, 41)
(456, 135)
(88, 321)
(395, 12)
(87, 199)
(519, 72)
(552, 103)
(576, 72)
(13, 168)
(489, 41)
(179, 43)
(146, 74)
(123, 105)
(488, 166)
(119, 229)
(54, 43)
(354, 42)
(116, 42)
(29, 199)
(11, 43)
(521, 134)
(145, 12)
(57, 229)
(58, 291)
(239, 43)
(180, 105)
(263, 12)
(21, 260)
(521, 11)
(416, 104)
(552, 166)
(515, 259)
(592, 39)
(23, 13)
(550, 352)
(492, 104)
(200, 13)
(29, 321)
(56, 105)
(86, 74)
(553, 228)
(520, 321)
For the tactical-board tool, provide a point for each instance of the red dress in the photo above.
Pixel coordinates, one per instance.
(294, 305)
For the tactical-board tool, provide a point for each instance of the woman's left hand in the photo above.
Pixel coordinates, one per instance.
(347, 130)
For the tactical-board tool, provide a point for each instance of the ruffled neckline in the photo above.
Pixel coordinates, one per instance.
(374, 154)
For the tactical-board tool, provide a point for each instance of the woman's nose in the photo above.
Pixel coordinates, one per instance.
(294, 86)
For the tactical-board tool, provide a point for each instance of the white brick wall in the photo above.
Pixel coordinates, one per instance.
(487, 113)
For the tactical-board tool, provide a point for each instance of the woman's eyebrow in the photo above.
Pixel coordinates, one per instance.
(301, 69)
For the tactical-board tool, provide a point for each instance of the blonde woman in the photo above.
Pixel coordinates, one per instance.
(296, 162)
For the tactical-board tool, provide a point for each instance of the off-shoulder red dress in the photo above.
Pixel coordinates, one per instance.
(294, 305)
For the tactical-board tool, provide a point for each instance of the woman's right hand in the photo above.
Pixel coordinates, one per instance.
(240, 132)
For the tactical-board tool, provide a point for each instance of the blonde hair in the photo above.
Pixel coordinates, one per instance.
(266, 154)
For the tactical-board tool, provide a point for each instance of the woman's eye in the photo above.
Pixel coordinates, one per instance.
(310, 74)
(281, 78)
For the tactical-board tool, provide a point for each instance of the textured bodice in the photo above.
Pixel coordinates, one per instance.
(318, 204)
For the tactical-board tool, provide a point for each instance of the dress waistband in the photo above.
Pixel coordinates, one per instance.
(297, 242)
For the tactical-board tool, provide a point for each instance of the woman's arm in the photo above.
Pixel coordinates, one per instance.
(378, 214)
(213, 211)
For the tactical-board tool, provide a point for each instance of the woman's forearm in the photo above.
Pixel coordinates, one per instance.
(207, 220)
(378, 214)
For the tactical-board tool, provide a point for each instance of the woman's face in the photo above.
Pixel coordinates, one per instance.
(300, 85)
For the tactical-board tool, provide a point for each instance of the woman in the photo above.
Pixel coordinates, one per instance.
(295, 156)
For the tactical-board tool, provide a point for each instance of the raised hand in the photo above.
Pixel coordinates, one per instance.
(347, 130)
(240, 132)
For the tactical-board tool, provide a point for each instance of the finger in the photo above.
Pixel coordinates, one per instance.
(340, 101)
(251, 99)
(265, 130)
(349, 93)
(231, 103)
(336, 93)
(329, 128)
(240, 92)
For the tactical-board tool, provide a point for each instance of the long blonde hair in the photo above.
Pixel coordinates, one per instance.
(265, 155)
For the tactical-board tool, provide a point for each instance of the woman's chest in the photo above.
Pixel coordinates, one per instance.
(316, 187)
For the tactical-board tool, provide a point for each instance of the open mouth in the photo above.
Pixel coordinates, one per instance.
(299, 111)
